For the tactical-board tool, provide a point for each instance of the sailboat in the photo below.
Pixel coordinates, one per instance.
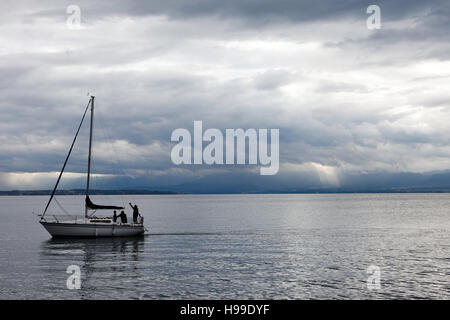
(90, 225)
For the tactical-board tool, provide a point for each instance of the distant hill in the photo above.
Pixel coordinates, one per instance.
(80, 192)
(249, 183)
(275, 191)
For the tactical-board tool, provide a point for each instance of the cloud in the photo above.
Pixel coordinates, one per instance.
(347, 100)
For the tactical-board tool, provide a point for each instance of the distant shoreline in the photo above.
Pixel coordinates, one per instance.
(80, 192)
(163, 192)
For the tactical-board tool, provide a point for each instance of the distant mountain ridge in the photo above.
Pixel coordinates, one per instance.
(289, 191)
(80, 192)
(248, 183)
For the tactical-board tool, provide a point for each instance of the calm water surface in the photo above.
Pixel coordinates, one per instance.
(237, 247)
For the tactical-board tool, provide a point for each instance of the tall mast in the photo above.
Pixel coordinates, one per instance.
(89, 156)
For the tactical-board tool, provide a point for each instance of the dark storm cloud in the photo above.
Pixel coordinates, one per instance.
(290, 10)
(416, 24)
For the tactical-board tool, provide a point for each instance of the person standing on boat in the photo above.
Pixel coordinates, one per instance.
(135, 212)
(123, 217)
(115, 216)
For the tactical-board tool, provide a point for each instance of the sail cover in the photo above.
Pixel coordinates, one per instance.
(94, 206)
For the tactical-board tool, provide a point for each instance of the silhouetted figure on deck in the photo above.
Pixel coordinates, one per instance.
(135, 212)
(115, 216)
(123, 217)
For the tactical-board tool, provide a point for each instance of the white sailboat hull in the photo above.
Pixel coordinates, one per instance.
(69, 229)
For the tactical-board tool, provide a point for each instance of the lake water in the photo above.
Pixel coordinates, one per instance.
(237, 247)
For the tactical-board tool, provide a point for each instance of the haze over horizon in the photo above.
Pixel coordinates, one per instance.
(357, 109)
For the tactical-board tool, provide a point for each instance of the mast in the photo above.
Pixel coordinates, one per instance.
(89, 155)
(65, 162)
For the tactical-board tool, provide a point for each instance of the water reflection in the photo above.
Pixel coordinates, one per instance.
(92, 246)
(104, 262)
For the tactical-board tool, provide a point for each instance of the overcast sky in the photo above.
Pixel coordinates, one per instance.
(348, 101)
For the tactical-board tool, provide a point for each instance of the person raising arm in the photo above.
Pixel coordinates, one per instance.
(135, 212)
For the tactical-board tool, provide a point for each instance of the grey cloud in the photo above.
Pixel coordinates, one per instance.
(337, 104)
(273, 79)
(334, 86)
(260, 10)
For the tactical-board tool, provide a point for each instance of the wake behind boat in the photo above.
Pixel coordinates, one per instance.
(90, 225)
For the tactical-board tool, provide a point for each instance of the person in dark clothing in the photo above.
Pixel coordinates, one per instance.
(123, 217)
(135, 213)
(115, 216)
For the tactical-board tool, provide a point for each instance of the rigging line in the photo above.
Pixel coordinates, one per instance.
(92, 213)
(67, 158)
(96, 180)
(60, 206)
